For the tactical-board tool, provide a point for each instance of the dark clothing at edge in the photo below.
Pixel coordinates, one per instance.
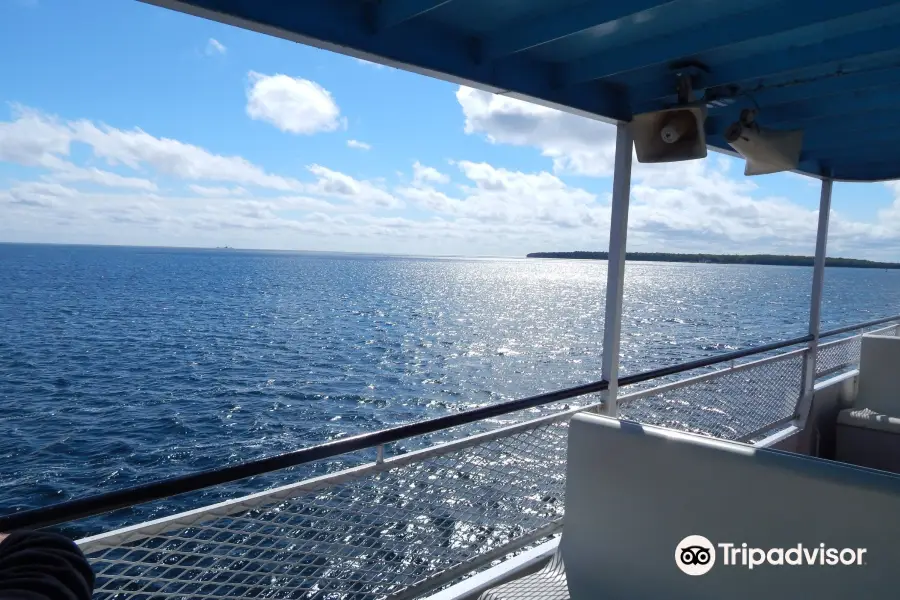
(35, 565)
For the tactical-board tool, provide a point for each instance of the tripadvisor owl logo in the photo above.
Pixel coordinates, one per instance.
(696, 555)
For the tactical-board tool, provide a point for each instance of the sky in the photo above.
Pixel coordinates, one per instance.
(124, 123)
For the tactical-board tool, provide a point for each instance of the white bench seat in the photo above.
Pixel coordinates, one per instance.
(869, 419)
(868, 434)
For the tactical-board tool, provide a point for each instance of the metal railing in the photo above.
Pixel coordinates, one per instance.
(102, 503)
(744, 401)
(834, 357)
(404, 525)
(735, 403)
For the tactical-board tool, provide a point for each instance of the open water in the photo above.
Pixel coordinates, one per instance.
(126, 365)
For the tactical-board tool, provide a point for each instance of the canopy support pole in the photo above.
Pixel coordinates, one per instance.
(615, 273)
(815, 308)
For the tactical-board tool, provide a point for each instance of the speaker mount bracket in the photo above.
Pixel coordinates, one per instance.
(748, 117)
(688, 75)
(685, 90)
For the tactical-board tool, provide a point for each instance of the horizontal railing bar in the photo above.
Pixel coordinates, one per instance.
(848, 328)
(765, 428)
(832, 370)
(708, 362)
(103, 503)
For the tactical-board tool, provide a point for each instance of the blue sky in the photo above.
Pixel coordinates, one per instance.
(125, 123)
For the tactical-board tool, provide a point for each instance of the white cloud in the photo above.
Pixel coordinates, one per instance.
(887, 228)
(496, 211)
(137, 148)
(39, 194)
(358, 145)
(227, 200)
(339, 185)
(215, 47)
(35, 139)
(307, 203)
(50, 212)
(217, 192)
(171, 157)
(32, 138)
(684, 207)
(894, 187)
(292, 104)
(695, 206)
(575, 144)
(369, 63)
(500, 196)
(687, 206)
(64, 171)
(423, 174)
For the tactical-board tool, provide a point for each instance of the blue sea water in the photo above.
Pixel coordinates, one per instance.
(126, 365)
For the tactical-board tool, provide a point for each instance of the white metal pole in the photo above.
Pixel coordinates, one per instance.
(615, 276)
(815, 306)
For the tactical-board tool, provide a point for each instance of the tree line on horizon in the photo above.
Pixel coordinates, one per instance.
(725, 259)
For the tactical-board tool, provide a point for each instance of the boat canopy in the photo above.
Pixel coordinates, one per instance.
(824, 70)
(830, 68)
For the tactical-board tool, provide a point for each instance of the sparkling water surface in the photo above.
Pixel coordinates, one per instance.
(127, 365)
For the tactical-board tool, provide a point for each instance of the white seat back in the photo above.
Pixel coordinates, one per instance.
(879, 375)
(633, 493)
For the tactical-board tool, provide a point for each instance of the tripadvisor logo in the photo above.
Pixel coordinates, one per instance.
(696, 555)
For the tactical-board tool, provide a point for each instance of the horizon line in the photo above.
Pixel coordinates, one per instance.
(245, 249)
(410, 255)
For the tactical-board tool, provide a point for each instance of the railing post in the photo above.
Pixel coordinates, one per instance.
(815, 307)
(615, 273)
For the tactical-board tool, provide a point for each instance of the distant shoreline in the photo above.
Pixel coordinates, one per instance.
(724, 259)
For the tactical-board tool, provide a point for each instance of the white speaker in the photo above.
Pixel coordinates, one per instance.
(765, 150)
(670, 135)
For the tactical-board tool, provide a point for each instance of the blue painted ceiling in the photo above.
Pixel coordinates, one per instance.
(829, 67)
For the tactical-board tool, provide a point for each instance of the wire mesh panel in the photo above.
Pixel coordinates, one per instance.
(729, 404)
(843, 355)
(837, 356)
(366, 537)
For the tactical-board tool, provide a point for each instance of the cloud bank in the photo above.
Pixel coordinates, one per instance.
(136, 187)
